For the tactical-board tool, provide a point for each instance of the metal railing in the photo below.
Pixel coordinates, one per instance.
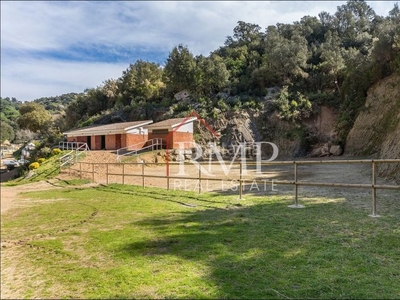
(150, 145)
(74, 154)
(80, 146)
(241, 180)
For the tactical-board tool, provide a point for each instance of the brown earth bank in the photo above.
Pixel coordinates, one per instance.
(376, 130)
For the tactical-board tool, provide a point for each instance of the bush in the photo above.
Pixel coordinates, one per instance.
(41, 160)
(56, 151)
(34, 165)
(45, 152)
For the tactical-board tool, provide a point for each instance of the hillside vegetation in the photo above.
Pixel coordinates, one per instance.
(279, 76)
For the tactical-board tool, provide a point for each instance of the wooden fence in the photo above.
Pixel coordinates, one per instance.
(138, 170)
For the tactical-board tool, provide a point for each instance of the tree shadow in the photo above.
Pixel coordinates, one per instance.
(271, 251)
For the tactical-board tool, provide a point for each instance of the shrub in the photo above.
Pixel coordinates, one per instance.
(41, 160)
(45, 152)
(55, 151)
(34, 165)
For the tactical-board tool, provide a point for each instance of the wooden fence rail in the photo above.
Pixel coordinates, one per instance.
(240, 179)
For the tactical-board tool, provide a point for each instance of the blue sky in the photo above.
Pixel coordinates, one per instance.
(49, 48)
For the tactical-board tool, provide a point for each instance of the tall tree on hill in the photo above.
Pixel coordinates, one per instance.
(353, 22)
(180, 70)
(386, 48)
(242, 54)
(34, 117)
(332, 61)
(6, 132)
(211, 74)
(142, 81)
(285, 59)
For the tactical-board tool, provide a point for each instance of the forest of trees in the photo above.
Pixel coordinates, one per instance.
(329, 59)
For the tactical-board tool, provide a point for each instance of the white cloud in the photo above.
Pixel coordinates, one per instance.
(29, 29)
(36, 78)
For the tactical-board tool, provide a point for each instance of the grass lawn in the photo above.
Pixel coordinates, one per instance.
(127, 242)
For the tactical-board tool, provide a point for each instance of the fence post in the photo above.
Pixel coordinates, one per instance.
(374, 215)
(296, 194)
(93, 172)
(106, 173)
(80, 170)
(167, 176)
(240, 181)
(123, 174)
(142, 174)
(200, 180)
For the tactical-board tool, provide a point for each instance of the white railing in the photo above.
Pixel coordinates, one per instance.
(150, 145)
(73, 146)
(78, 148)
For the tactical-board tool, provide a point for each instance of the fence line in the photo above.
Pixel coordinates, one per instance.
(241, 180)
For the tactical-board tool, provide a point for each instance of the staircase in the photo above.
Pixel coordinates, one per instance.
(71, 157)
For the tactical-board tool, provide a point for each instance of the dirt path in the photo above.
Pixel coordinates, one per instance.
(11, 275)
(10, 194)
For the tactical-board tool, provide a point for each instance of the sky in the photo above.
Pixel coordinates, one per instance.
(49, 48)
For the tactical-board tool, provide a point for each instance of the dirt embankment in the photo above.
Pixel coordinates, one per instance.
(376, 130)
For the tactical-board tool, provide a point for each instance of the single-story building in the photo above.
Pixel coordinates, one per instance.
(112, 136)
(175, 132)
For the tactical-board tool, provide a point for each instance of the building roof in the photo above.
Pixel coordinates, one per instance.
(115, 128)
(171, 123)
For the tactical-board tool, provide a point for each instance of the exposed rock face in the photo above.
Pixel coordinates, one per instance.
(182, 95)
(376, 130)
(327, 150)
(233, 127)
(322, 123)
(336, 150)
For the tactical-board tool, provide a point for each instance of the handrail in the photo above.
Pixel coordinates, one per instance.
(72, 145)
(155, 143)
(69, 157)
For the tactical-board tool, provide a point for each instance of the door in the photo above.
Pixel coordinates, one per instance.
(89, 142)
(117, 141)
(103, 142)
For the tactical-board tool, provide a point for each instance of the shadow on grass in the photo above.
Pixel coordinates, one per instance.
(270, 251)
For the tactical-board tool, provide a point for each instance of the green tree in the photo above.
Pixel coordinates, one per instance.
(180, 69)
(242, 54)
(292, 106)
(332, 61)
(7, 132)
(76, 110)
(353, 21)
(142, 81)
(211, 74)
(34, 117)
(285, 59)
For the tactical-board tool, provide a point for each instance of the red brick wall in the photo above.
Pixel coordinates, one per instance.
(173, 138)
(96, 142)
(135, 139)
(110, 142)
(82, 139)
(179, 137)
(166, 137)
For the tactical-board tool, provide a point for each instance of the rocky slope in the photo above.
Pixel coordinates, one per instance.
(376, 130)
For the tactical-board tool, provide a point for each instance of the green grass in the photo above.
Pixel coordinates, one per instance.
(128, 242)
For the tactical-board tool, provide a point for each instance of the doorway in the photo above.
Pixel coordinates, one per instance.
(103, 142)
